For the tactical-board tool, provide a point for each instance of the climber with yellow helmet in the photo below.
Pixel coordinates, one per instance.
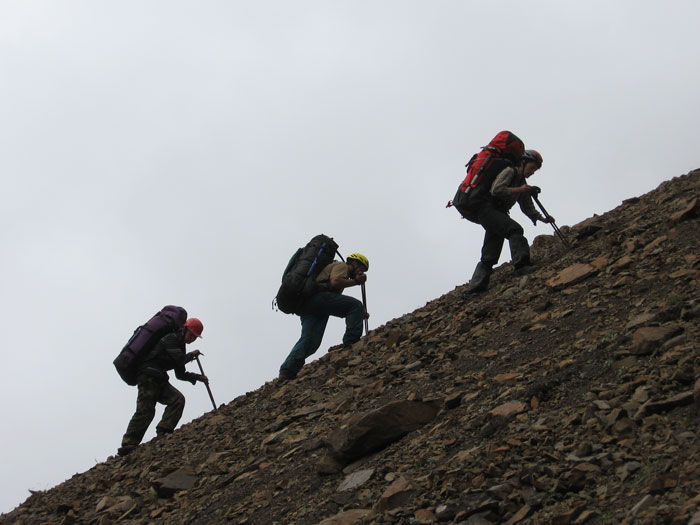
(329, 300)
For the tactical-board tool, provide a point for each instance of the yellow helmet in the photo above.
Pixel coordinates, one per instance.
(360, 258)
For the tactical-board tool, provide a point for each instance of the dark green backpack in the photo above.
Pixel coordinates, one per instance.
(299, 277)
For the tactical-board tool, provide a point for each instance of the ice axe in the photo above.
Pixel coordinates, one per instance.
(364, 296)
(205, 384)
(364, 302)
(535, 192)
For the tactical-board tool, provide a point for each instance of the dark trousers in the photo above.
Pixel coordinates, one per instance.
(152, 391)
(499, 226)
(314, 317)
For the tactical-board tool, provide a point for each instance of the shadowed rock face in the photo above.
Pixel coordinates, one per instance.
(364, 434)
(565, 396)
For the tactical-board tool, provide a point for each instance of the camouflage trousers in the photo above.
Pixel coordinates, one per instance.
(152, 391)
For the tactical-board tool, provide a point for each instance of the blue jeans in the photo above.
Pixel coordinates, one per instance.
(314, 317)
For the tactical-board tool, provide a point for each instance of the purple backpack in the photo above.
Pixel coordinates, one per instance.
(145, 337)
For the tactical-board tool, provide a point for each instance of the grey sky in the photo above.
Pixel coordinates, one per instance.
(159, 152)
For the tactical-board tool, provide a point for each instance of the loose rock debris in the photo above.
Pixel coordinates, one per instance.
(568, 396)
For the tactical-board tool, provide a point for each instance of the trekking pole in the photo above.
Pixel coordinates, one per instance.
(364, 302)
(547, 215)
(364, 296)
(205, 384)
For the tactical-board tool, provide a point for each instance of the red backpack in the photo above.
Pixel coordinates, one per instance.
(505, 146)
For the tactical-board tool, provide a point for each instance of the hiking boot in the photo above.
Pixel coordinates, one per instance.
(161, 434)
(125, 450)
(480, 280)
(478, 287)
(341, 346)
(526, 269)
(519, 250)
(286, 375)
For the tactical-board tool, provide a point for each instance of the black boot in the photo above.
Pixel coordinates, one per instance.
(125, 450)
(525, 269)
(520, 255)
(480, 279)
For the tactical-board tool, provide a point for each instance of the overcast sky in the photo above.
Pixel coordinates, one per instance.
(170, 152)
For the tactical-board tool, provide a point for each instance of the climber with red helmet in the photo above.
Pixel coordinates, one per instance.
(488, 204)
(154, 385)
(329, 300)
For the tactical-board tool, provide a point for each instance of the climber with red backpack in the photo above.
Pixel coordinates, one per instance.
(497, 179)
(155, 348)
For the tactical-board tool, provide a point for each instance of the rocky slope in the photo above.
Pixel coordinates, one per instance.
(565, 396)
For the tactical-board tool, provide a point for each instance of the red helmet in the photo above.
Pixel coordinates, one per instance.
(195, 326)
(530, 155)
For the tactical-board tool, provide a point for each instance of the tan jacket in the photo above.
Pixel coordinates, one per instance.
(334, 269)
(505, 198)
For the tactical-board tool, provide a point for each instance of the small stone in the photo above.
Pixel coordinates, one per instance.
(565, 363)
(686, 436)
(647, 339)
(509, 379)
(600, 262)
(686, 213)
(653, 246)
(413, 366)
(681, 274)
(425, 516)
(585, 516)
(680, 400)
(695, 519)
(626, 362)
(106, 501)
(349, 517)
(621, 263)
(509, 409)
(641, 395)
(399, 494)
(628, 469)
(181, 479)
(587, 467)
(501, 491)
(639, 320)
(395, 337)
(453, 400)
(355, 479)
(523, 513)
(567, 517)
(644, 503)
(446, 511)
(624, 426)
(572, 275)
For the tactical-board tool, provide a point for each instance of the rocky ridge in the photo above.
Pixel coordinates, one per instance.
(565, 396)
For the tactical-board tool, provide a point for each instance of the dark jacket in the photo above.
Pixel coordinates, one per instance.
(168, 354)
